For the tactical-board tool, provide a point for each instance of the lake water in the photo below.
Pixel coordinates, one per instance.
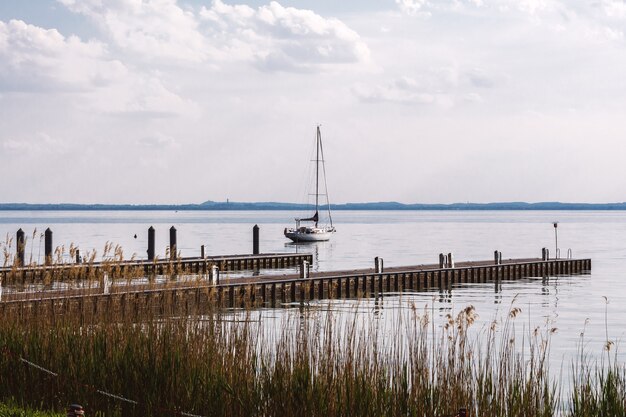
(571, 303)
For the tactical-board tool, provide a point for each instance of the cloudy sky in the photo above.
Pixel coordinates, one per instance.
(182, 101)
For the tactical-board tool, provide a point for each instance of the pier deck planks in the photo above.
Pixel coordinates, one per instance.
(284, 290)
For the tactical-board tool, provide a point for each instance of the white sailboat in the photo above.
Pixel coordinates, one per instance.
(314, 232)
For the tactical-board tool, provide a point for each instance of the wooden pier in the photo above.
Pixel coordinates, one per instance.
(289, 290)
(117, 269)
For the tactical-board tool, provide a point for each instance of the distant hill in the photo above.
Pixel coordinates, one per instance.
(390, 205)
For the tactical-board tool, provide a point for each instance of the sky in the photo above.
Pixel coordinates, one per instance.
(419, 101)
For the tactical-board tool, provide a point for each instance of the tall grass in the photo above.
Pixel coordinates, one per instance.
(311, 362)
(599, 385)
(11, 410)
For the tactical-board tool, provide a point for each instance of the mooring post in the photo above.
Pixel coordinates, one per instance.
(21, 244)
(77, 256)
(450, 260)
(202, 251)
(255, 239)
(48, 246)
(172, 242)
(378, 265)
(442, 260)
(496, 257)
(151, 243)
(304, 269)
(106, 284)
(214, 275)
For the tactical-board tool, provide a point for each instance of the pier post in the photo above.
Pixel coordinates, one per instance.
(48, 246)
(378, 265)
(202, 251)
(497, 257)
(442, 260)
(255, 239)
(450, 261)
(77, 256)
(172, 242)
(106, 284)
(151, 243)
(21, 243)
(214, 275)
(304, 269)
(545, 254)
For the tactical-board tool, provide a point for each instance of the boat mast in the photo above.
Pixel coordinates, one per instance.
(317, 174)
(330, 217)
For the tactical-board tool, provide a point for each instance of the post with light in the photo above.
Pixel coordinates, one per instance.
(556, 240)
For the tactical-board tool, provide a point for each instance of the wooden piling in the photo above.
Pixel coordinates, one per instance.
(173, 249)
(255, 239)
(151, 243)
(20, 243)
(48, 246)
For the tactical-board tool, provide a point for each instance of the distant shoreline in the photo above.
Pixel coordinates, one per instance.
(272, 206)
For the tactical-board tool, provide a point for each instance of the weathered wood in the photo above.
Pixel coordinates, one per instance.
(48, 246)
(173, 244)
(64, 271)
(194, 299)
(151, 244)
(20, 243)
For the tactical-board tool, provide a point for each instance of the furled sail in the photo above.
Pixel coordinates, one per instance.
(315, 218)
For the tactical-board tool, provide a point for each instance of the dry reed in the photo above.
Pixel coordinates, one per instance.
(314, 362)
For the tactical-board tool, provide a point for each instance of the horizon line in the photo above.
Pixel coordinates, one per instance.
(270, 205)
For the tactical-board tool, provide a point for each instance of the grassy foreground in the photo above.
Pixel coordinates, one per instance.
(313, 363)
(9, 410)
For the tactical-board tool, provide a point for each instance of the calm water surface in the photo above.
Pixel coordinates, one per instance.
(401, 238)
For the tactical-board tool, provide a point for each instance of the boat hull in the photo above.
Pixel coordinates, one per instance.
(310, 236)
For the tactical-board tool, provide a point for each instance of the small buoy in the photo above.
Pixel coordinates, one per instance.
(135, 235)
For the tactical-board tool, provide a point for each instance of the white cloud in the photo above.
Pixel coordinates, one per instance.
(35, 59)
(428, 8)
(143, 95)
(38, 60)
(615, 9)
(442, 87)
(401, 91)
(159, 140)
(412, 7)
(532, 6)
(272, 37)
(39, 142)
(283, 38)
(150, 28)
